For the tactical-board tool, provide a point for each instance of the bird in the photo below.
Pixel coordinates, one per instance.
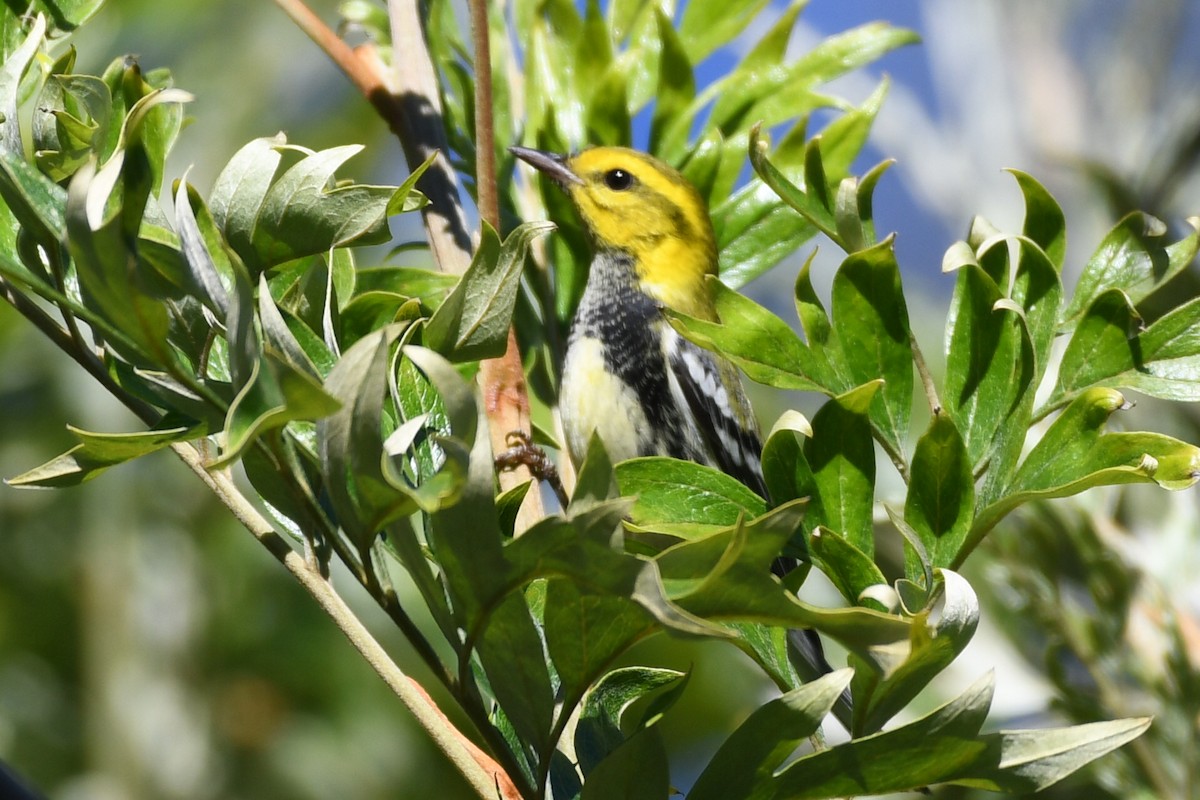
(629, 376)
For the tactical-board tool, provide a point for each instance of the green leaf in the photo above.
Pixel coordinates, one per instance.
(841, 455)
(773, 96)
(849, 569)
(350, 441)
(941, 494)
(149, 132)
(636, 770)
(1110, 348)
(1044, 223)
(932, 749)
(728, 573)
(1075, 455)
(427, 285)
(240, 188)
(473, 321)
(1101, 345)
(786, 472)
(202, 249)
(1032, 760)
(108, 280)
(276, 394)
(682, 498)
(38, 204)
(510, 651)
(96, 452)
(870, 321)
(989, 365)
(641, 59)
(935, 642)
(754, 339)
(588, 551)
(301, 215)
(749, 757)
(599, 732)
(585, 631)
(12, 70)
(676, 81)
(726, 576)
(70, 123)
(814, 321)
(754, 227)
(706, 26)
(1037, 289)
(1132, 258)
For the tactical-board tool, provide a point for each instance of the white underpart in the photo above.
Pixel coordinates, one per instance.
(598, 401)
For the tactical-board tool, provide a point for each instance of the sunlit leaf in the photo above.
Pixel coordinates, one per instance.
(1133, 258)
(870, 321)
(753, 338)
(683, 498)
(474, 319)
(1076, 454)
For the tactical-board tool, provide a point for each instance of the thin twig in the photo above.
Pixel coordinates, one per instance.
(931, 395)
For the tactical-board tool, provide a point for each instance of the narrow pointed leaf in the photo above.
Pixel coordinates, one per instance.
(941, 494)
(870, 321)
(754, 339)
(96, 452)
(752, 753)
(473, 321)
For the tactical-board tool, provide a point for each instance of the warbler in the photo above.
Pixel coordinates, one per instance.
(628, 375)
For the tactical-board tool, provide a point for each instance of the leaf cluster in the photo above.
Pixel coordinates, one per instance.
(244, 321)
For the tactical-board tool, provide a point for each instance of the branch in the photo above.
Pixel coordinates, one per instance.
(409, 103)
(479, 769)
(505, 395)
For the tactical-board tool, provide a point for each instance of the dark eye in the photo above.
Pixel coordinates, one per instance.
(618, 180)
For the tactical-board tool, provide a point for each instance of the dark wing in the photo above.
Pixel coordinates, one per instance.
(713, 392)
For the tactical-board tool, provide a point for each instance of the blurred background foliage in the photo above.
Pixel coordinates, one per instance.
(150, 649)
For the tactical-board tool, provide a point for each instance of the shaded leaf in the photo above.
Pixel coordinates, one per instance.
(96, 452)
(989, 365)
(941, 494)
(749, 757)
(937, 639)
(849, 569)
(1110, 348)
(276, 394)
(931, 749)
(1132, 258)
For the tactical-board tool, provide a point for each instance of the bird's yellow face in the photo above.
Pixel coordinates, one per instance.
(634, 203)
